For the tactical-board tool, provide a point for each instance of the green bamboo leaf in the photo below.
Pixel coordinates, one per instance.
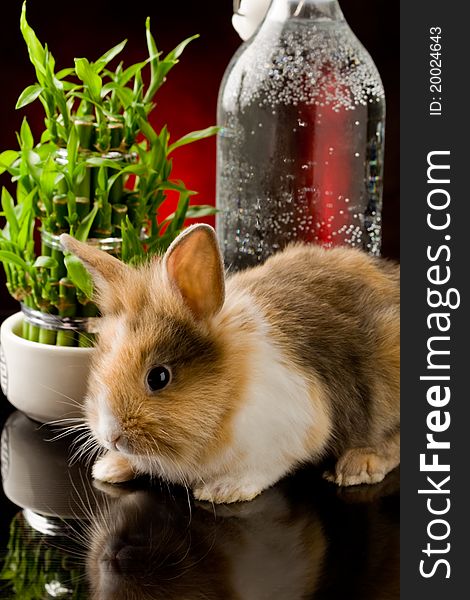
(180, 215)
(80, 277)
(32, 162)
(200, 210)
(83, 230)
(148, 131)
(65, 73)
(47, 178)
(35, 49)
(70, 87)
(45, 137)
(108, 56)
(107, 87)
(86, 97)
(90, 78)
(194, 136)
(8, 205)
(61, 101)
(132, 250)
(131, 72)
(72, 209)
(26, 221)
(125, 95)
(176, 187)
(13, 259)
(138, 85)
(178, 51)
(49, 61)
(158, 68)
(28, 95)
(98, 161)
(26, 136)
(162, 67)
(102, 178)
(164, 138)
(135, 169)
(45, 262)
(152, 50)
(72, 151)
(7, 158)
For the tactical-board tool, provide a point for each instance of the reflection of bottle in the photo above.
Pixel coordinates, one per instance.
(300, 152)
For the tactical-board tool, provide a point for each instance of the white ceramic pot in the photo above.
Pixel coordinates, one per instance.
(45, 382)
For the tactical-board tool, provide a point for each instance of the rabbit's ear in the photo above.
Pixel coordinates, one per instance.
(106, 270)
(193, 264)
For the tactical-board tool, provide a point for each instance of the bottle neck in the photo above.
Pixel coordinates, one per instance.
(318, 10)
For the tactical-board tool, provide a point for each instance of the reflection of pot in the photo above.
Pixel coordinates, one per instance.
(45, 382)
(36, 475)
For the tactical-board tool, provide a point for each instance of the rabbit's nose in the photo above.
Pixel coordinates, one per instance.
(110, 432)
(112, 440)
(116, 441)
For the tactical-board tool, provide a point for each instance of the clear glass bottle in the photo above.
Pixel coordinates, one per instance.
(300, 151)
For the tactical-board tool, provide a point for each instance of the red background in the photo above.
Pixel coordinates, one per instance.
(187, 101)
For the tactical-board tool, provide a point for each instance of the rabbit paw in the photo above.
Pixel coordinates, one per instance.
(113, 468)
(358, 465)
(225, 491)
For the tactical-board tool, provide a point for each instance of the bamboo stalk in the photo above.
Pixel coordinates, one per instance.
(119, 213)
(84, 188)
(102, 233)
(88, 309)
(54, 294)
(61, 211)
(83, 207)
(61, 186)
(25, 329)
(67, 308)
(33, 333)
(32, 330)
(47, 336)
(86, 109)
(133, 205)
(116, 133)
(102, 225)
(102, 134)
(86, 340)
(46, 250)
(8, 275)
(85, 130)
(61, 270)
(117, 191)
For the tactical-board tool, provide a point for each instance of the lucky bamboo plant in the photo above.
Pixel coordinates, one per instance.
(99, 171)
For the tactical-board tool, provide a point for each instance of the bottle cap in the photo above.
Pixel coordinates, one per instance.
(248, 14)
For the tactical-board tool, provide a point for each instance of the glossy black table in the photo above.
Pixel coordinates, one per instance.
(63, 536)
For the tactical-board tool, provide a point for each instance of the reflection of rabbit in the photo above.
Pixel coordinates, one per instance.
(228, 386)
(278, 547)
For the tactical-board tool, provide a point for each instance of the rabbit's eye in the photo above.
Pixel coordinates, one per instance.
(158, 378)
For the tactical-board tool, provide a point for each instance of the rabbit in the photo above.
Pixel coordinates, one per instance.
(226, 385)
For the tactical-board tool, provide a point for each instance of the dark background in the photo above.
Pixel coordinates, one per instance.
(188, 99)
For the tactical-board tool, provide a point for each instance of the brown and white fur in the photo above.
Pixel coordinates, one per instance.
(292, 361)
